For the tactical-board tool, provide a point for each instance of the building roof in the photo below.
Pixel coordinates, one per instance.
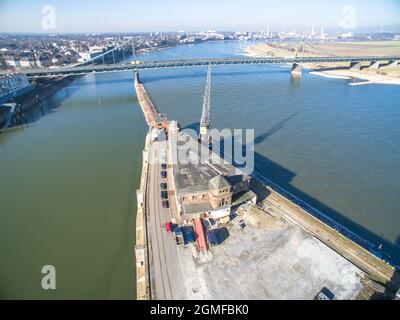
(8, 57)
(219, 182)
(243, 196)
(194, 176)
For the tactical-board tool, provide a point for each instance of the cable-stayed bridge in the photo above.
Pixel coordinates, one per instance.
(97, 64)
(76, 70)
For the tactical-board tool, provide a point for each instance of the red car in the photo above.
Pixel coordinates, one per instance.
(168, 226)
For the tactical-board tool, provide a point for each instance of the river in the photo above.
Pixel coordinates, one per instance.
(69, 175)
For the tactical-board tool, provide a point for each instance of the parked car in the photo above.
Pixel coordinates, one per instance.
(164, 194)
(164, 166)
(163, 186)
(163, 174)
(163, 156)
(179, 237)
(165, 204)
(168, 226)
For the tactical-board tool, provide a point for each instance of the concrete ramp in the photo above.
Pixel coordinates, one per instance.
(375, 65)
(355, 66)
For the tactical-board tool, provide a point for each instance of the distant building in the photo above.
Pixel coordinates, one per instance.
(211, 35)
(27, 62)
(3, 64)
(85, 56)
(11, 61)
(43, 62)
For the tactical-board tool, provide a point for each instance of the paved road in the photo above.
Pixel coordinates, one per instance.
(166, 271)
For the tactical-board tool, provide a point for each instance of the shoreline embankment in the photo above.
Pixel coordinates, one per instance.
(366, 75)
(143, 290)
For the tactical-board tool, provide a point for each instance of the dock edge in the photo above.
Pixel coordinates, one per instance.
(141, 246)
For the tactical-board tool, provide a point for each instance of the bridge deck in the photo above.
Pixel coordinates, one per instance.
(195, 62)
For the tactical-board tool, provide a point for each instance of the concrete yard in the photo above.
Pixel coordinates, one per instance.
(277, 262)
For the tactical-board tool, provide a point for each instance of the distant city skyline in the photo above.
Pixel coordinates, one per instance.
(89, 16)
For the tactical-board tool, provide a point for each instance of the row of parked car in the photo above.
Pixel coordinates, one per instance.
(163, 185)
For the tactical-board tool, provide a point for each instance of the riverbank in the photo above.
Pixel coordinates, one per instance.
(383, 75)
(367, 78)
(345, 48)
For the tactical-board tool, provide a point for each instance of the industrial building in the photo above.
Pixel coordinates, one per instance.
(208, 187)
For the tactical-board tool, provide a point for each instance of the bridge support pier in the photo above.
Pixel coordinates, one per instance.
(355, 66)
(136, 76)
(394, 63)
(296, 70)
(375, 65)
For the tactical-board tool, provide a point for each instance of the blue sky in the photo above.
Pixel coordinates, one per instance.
(173, 15)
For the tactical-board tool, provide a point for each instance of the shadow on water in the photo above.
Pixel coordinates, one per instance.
(40, 109)
(283, 177)
(96, 82)
(216, 74)
(269, 132)
(295, 82)
(194, 126)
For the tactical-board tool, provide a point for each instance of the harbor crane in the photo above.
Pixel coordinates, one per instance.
(204, 135)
